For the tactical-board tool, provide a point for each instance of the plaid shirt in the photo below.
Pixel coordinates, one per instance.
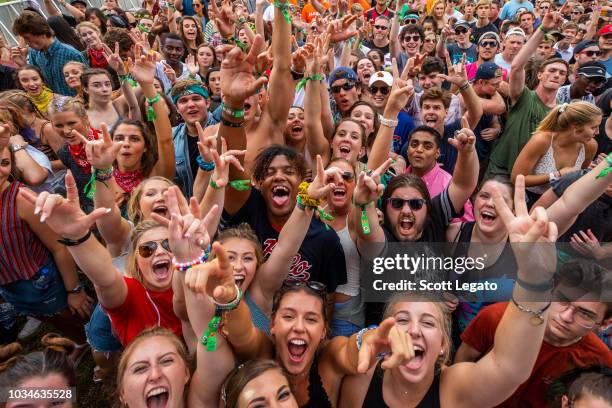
(52, 61)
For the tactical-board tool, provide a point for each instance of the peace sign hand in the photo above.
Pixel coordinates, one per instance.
(525, 231)
(113, 58)
(63, 215)
(223, 161)
(319, 187)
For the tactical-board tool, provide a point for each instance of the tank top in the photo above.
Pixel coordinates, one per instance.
(374, 396)
(259, 318)
(317, 396)
(22, 253)
(352, 259)
(547, 165)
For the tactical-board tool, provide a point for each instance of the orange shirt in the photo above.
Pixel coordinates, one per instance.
(309, 12)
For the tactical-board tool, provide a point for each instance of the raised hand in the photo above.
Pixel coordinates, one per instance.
(169, 71)
(587, 244)
(18, 55)
(388, 337)
(457, 74)
(143, 69)
(413, 66)
(369, 187)
(223, 161)
(321, 186)
(339, 30)
(537, 260)
(464, 140)
(5, 135)
(214, 278)
(552, 20)
(401, 91)
(64, 215)
(237, 80)
(192, 65)
(113, 58)
(224, 18)
(101, 153)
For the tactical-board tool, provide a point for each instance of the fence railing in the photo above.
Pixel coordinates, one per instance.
(11, 9)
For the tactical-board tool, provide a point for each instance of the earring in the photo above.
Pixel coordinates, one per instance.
(441, 352)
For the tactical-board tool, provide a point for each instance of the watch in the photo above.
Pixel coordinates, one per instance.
(16, 147)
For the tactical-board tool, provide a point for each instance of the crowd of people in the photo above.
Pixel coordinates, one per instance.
(193, 191)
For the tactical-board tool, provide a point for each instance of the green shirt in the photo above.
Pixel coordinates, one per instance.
(523, 119)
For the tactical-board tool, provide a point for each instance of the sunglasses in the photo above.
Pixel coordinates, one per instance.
(346, 176)
(489, 44)
(576, 13)
(413, 38)
(379, 27)
(544, 8)
(382, 89)
(460, 31)
(317, 287)
(411, 21)
(346, 86)
(591, 53)
(415, 204)
(148, 248)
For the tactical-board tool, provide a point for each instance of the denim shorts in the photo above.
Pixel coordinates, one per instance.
(41, 295)
(100, 333)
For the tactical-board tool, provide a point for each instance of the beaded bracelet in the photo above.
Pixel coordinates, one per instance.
(209, 337)
(206, 166)
(150, 111)
(464, 87)
(185, 266)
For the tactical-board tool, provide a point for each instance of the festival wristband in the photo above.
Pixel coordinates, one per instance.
(231, 112)
(302, 83)
(240, 185)
(214, 185)
(535, 287)
(608, 169)
(227, 123)
(75, 242)
(206, 166)
(284, 9)
(150, 111)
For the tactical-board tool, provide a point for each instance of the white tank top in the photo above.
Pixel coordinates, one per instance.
(353, 260)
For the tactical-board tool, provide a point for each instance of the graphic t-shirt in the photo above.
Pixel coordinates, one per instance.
(456, 53)
(550, 364)
(320, 257)
(143, 309)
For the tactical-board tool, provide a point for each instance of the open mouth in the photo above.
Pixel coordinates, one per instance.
(366, 76)
(296, 129)
(161, 268)
(417, 361)
(247, 107)
(405, 225)
(161, 210)
(488, 217)
(430, 120)
(157, 398)
(239, 280)
(280, 195)
(339, 192)
(297, 350)
(344, 150)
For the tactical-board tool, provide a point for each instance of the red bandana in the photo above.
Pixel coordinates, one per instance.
(98, 60)
(128, 180)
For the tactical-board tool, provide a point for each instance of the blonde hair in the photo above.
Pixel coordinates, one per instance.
(133, 206)
(22, 101)
(89, 25)
(562, 116)
(243, 231)
(131, 266)
(445, 318)
(145, 335)
(62, 104)
(433, 6)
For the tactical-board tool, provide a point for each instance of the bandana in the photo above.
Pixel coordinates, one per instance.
(193, 89)
(98, 60)
(128, 180)
(43, 99)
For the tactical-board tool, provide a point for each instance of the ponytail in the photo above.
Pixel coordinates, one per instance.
(562, 116)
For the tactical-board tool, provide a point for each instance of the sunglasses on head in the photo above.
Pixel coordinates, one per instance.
(413, 38)
(317, 287)
(382, 89)
(460, 31)
(146, 249)
(490, 44)
(415, 204)
(592, 53)
(346, 86)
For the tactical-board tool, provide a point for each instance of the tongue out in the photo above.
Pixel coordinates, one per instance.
(416, 362)
(296, 352)
(279, 200)
(158, 401)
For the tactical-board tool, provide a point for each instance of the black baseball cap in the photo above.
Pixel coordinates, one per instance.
(592, 69)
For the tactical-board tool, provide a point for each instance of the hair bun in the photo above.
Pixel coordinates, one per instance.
(53, 341)
(8, 354)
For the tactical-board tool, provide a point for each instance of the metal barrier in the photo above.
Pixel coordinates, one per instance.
(10, 10)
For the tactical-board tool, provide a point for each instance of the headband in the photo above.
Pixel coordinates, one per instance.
(198, 89)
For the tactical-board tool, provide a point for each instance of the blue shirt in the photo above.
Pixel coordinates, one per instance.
(51, 62)
(510, 9)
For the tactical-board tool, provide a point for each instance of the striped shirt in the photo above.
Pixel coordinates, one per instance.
(22, 254)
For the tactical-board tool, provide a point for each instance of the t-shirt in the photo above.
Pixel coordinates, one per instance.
(143, 309)
(510, 9)
(550, 364)
(456, 53)
(372, 14)
(404, 126)
(499, 60)
(523, 119)
(564, 96)
(448, 154)
(309, 12)
(320, 257)
(472, 68)
(478, 31)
